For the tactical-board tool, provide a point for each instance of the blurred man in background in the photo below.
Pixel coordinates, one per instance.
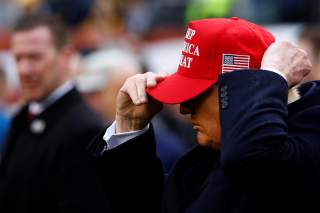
(101, 76)
(44, 168)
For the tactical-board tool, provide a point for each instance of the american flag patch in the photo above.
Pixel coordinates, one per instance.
(231, 62)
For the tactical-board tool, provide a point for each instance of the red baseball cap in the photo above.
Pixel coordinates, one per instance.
(212, 47)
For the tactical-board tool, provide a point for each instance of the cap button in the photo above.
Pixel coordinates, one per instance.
(234, 18)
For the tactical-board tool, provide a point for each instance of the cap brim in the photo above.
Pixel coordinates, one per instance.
(176, 88)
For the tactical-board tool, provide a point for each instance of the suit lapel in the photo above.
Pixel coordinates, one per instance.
(56, 111)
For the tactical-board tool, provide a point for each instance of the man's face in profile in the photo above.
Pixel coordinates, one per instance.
(205, 117)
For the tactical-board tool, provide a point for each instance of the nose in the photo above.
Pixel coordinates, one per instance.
(184, 109)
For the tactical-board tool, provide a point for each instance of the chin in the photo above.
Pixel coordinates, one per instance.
(204, 140)
(32, 97)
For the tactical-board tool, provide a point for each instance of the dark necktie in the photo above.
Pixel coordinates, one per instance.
(30, 116)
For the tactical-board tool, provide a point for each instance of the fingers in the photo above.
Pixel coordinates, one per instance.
(299, 68)
(307, 64)
(289, 59)
(140, 85)
(136, 85)
(154, 78)
(151, 80)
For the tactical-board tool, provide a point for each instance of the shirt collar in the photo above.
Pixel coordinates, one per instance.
(38, 107)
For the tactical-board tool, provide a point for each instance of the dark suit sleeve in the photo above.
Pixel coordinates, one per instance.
(131, 173)
(256, 136)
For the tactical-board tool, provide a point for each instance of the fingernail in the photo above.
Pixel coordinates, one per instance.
(136, 102)
(152, 84)
(143, 99)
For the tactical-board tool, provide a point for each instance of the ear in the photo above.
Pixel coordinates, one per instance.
(66, 55)
(67, 52)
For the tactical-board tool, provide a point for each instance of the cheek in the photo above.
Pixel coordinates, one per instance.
(210, 133)
(216, 132)
(51, 70)
(50, 60)
(212, 128)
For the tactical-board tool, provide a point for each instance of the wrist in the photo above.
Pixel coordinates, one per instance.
(124, 124)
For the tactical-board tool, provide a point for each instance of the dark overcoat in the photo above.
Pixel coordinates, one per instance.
(269, 159)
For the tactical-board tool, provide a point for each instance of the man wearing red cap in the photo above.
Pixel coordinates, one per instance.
(256, 152)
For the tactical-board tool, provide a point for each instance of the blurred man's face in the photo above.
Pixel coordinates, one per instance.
(205, 117)
(39, 62)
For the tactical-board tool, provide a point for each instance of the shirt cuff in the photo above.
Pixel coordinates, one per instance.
(275, 71)
(114, 139)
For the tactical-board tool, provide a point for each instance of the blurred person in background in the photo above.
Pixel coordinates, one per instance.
(258, 138)
(13, 98)
(309, 40)
(208, 9)
(44, 167)
(104, 72)
(4, 118)
(10, 11)
(71, 12)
